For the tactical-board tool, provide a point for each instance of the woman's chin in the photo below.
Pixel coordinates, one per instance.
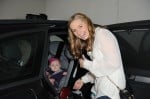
(85, 38)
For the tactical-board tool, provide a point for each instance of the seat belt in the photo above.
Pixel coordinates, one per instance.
(59, 50)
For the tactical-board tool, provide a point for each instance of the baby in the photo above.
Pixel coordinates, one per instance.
(54, 72)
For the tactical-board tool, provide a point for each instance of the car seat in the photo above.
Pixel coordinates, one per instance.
(57, 49)
(67, 60)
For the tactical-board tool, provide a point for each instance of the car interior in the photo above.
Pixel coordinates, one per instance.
(24, 55)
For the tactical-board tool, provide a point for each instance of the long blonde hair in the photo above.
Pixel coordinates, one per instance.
(76, 44)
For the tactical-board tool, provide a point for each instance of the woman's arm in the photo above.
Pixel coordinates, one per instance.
(88, 77)
(106, 54)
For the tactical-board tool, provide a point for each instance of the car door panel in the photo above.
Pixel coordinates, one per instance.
(22, 46)
(134, 46)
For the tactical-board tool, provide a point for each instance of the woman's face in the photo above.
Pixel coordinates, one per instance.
(79, 29)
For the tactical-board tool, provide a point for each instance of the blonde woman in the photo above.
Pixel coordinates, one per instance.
(102, 47)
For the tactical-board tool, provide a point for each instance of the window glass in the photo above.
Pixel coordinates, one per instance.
(20, 57)
(135, 47)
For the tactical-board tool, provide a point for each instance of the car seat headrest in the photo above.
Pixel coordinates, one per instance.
(26, 49)
(11, 51)
(17, 51)
(53, 47)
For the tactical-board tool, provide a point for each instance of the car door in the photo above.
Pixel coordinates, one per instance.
(134, 43)
(23, 53)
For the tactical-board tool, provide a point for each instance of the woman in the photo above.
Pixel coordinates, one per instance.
(102, 47)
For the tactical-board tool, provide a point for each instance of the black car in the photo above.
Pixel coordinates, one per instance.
(26, 46)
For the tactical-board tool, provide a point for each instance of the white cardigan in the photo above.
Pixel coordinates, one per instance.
(106, 63)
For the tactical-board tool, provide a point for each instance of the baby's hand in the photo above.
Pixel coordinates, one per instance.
(47, 73)
(64, 73)
(52, 80)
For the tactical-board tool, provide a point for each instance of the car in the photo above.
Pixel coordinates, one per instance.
(26, 46)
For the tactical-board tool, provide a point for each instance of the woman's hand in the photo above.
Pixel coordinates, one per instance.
(78, 84)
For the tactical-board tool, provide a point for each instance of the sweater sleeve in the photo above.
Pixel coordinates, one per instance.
(88, 77)
(106, 54)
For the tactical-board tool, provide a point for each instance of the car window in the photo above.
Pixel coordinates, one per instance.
(135, 47)
(17, 57)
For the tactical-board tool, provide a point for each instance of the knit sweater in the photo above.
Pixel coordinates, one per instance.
(106, 62)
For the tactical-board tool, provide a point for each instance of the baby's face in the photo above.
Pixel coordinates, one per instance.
(55, 66)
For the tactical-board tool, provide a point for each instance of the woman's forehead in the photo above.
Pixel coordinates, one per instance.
(76, 23)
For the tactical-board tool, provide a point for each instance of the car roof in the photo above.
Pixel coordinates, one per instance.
(130, 25)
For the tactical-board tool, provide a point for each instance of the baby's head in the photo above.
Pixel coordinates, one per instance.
(54, 64)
